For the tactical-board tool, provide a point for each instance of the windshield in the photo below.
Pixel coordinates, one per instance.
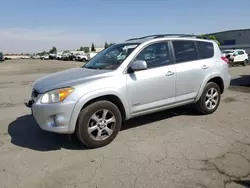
(1, 54)
(112, 57)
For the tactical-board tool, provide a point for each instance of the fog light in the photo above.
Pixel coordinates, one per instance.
(58, 120)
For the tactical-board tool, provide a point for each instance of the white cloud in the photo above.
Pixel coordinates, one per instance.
(16, 40)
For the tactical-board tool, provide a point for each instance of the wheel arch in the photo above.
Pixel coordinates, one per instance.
(87, 99)
(214, 78)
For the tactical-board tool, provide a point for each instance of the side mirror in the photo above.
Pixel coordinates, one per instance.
(139, 65)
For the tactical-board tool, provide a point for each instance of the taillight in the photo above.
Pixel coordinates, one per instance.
(225, 59)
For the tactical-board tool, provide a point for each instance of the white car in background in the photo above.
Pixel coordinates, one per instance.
(26, 57)
(81, 57)
(59, 55)
(35, 57)
(237, 56)
(44, 57)
(90, 55)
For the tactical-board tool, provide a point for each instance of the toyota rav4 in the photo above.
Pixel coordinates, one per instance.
(133, 78)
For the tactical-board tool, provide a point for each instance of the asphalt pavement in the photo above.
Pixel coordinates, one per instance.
(175, 148)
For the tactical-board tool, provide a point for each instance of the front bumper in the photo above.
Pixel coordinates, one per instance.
(53, 117)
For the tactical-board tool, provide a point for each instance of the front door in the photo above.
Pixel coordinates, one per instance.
(154, 87)
(239, 56)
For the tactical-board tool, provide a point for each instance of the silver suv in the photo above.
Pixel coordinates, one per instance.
(129, 79)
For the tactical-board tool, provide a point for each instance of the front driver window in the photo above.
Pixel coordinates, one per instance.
(155, 55)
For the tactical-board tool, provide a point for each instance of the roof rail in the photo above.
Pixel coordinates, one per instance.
(138, 38)
(169, 35)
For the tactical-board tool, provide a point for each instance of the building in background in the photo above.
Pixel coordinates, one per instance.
(234, 39)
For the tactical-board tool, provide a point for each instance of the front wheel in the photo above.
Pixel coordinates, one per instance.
(210, 99)
(98, 124)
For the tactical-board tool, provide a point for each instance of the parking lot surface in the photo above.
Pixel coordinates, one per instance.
(174, 148)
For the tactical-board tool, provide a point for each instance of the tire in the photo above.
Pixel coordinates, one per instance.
(244, 63)
(84, 60)
(231, 63)
(201, 104)
(91, 139)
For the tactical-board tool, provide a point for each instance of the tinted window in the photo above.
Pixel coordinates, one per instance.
(155, 55)
(240, 53)
(206, 49)
(185, 51)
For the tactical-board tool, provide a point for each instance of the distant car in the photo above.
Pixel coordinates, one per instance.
(82, 57)
(236, 57)
(44, 57)
(52, 56)
(7, 58)
(72, 56)
(26, 57)
(35, 57)
(65, 56)
(59, 55)
(1, 57)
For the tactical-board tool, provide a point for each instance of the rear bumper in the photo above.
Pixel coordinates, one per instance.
(227, 81)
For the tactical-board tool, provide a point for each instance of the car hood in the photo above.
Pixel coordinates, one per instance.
(68, 78)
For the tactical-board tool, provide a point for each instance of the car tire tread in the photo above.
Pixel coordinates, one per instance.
(82, 124)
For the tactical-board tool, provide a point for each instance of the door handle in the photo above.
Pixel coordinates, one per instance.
(169, 73)
(205, 67)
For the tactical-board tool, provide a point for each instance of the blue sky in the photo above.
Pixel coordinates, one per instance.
(35, 25)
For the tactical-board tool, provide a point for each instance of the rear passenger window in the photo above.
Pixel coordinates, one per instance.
(185, 51)
(240, 53)
(206, 49)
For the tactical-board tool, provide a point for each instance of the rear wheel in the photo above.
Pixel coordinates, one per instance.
(210, 99)
(98, 124)
(245, 62)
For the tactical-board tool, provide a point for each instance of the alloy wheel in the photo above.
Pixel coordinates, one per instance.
(101, 125)
(212, 98)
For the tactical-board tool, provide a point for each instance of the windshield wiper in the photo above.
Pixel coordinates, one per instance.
(91, 67)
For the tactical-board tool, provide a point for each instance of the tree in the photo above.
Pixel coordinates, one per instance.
(81, 48)
(53, 50)
(86, 49)
(212, 37)
(106, 45)
(93, 48)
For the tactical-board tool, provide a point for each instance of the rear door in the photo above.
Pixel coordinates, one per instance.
(193, 61)
(242, 56)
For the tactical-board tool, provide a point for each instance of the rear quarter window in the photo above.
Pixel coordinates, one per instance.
(206, 49)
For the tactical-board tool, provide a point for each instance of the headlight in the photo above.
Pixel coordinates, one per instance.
(57, 95)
